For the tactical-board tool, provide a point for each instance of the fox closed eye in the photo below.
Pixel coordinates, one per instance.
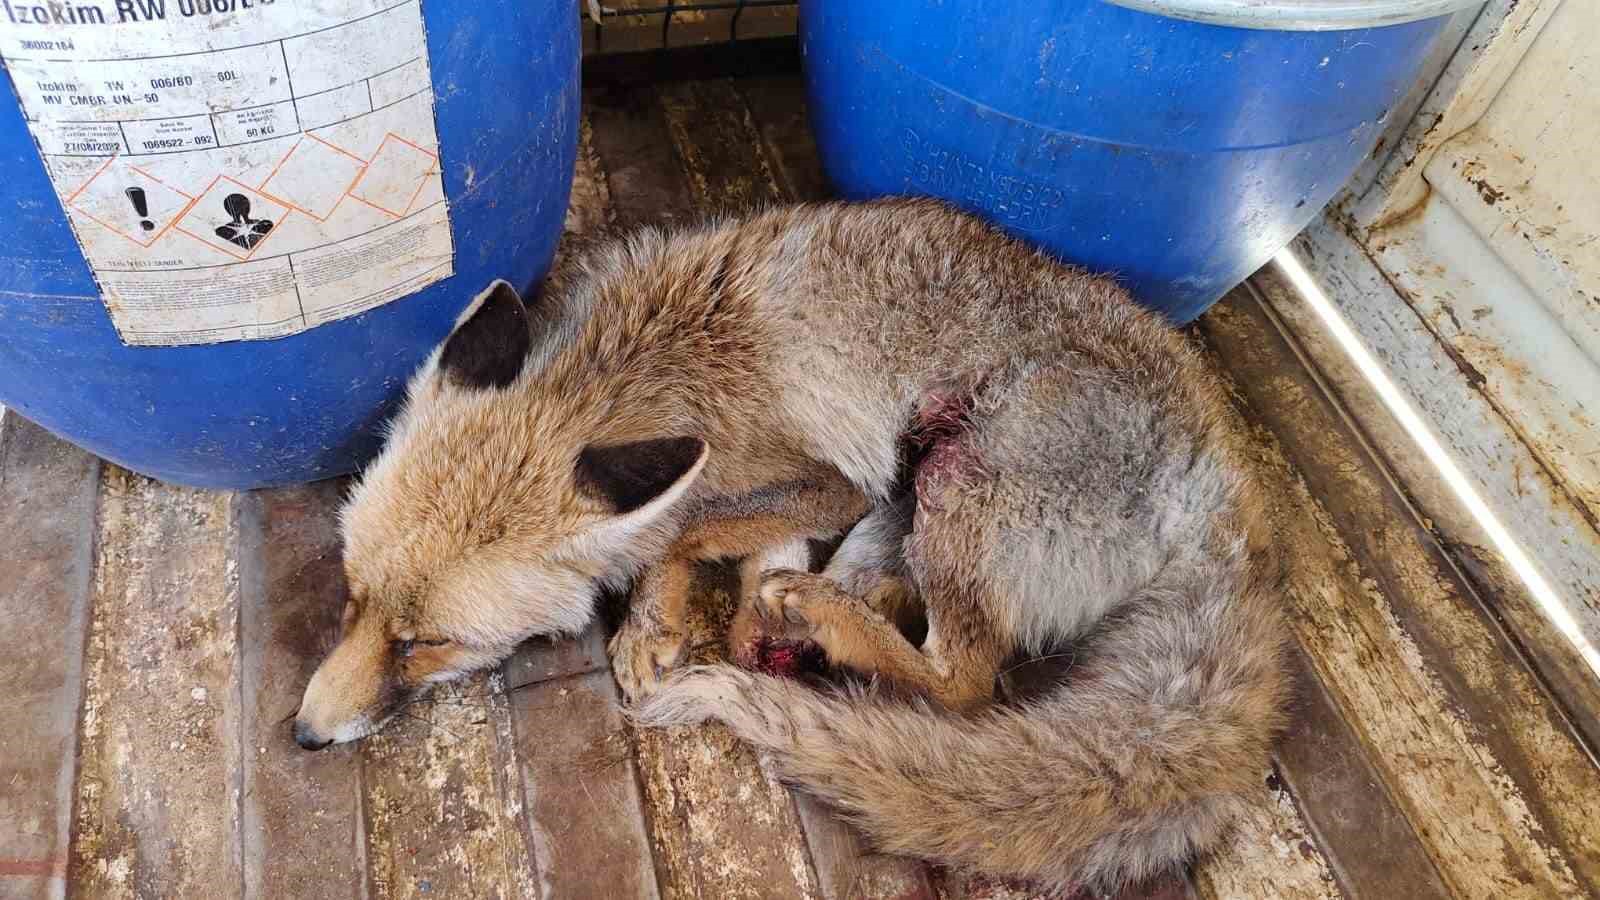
(408, 646)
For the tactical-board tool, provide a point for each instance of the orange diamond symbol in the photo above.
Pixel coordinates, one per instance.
(395, 176)
(314, 177)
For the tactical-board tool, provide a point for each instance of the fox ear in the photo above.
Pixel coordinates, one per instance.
(490, 341)
(640, 482)
(630, 477)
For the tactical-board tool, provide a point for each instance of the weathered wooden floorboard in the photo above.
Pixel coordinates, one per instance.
(159, 782)
(720, 824)
(582, 789)
(950, 886)
(777, 105)
(445, 814)
(302, 822)
(1540, 780)
(47, 525)
(1270, 855)
(549, 658)
(846, 867)
(590, 205)
(718, 145)
(720, 827)
(635, 156)
(1371, 846)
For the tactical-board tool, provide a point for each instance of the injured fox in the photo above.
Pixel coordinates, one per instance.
(1013, 450)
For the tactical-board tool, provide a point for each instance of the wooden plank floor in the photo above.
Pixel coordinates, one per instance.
(157, 639)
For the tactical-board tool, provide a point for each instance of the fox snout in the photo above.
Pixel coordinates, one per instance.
(307, 738)
(353, 692)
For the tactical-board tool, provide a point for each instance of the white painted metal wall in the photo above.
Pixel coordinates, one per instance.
(1466, 255)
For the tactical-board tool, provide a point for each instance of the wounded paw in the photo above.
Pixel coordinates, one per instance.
(772, 633)
(641, 656)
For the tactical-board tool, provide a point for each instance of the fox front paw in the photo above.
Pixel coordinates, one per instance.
(789, 602)
(641, 656)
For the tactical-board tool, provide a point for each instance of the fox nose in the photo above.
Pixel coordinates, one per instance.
(307, 738)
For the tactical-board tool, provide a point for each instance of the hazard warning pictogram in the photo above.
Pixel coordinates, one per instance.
(232, 218)
(395, 176)
(130, 201)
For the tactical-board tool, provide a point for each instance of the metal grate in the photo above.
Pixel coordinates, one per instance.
(625, 25)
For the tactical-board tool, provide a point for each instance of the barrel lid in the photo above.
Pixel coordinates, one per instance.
(1300, 15)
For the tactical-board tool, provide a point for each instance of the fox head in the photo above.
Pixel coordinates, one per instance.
(494, 513)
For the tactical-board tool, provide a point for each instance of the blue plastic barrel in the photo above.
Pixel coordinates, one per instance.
(188, 407)
(1176, 143)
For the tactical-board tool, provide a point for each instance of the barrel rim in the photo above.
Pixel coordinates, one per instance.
(1300, 15)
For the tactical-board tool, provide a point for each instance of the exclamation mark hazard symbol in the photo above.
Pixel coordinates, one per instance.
(140, 206)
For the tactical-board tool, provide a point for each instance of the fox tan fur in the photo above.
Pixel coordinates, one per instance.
(1015, 449)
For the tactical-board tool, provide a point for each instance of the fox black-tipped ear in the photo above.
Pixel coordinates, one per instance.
(631, 476)
(490, 342)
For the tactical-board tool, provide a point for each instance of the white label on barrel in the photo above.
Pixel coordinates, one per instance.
(237, 169)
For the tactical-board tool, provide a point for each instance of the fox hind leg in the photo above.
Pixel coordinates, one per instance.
(869, 564)
(956, 670)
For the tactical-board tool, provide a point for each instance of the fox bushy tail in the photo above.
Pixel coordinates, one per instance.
(1136, 762)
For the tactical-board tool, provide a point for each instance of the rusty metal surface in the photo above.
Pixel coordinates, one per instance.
(1464, 738)
(634, 25)
(1516, 729)
(1553, 529)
